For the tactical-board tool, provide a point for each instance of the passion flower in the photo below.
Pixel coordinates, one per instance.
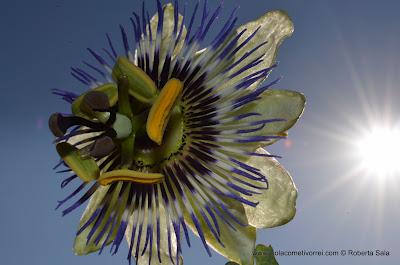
(169, 137)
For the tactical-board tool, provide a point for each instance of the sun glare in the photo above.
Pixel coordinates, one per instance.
(379, 151)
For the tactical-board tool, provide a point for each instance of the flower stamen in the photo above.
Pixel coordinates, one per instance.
(102, 147)
(129, 175)
(85, 167)
(161, 109)
(141, 86)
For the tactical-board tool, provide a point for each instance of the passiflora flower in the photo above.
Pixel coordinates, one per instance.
(169, 136)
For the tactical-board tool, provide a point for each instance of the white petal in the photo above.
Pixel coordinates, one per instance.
(167, 34)
(80, 246)
(275, 26)
(277, 205)
(164, 254)
(144, 260)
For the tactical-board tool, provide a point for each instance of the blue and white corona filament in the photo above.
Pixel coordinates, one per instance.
(168, 137)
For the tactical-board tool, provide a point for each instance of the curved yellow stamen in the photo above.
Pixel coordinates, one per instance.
(129, 175)
(160, 110)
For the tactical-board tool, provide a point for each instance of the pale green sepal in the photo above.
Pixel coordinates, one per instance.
(81, 247)
(109, 89)
(164, 253)
(275, 104)
(239, 244)
(264, 255)
(167, 33)
(144, 260)
(275, 26)
(85, 167)
(231, 263)
(277, 204)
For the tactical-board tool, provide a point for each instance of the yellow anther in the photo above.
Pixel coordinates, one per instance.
(129, 175)
(161, 109)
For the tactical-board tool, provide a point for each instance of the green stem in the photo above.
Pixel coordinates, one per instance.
(124, 108)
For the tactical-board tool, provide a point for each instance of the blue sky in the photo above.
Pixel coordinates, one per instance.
(343, 56)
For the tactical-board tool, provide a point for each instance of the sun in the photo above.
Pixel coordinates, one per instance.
(379, 150)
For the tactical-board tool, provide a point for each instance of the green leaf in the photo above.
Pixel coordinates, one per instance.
(109, 89)
(231, 263)
(277, 204)
(85, 167)
(264, 255)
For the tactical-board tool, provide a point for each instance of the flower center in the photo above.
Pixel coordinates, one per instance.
(140, 124)
(158, 122)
